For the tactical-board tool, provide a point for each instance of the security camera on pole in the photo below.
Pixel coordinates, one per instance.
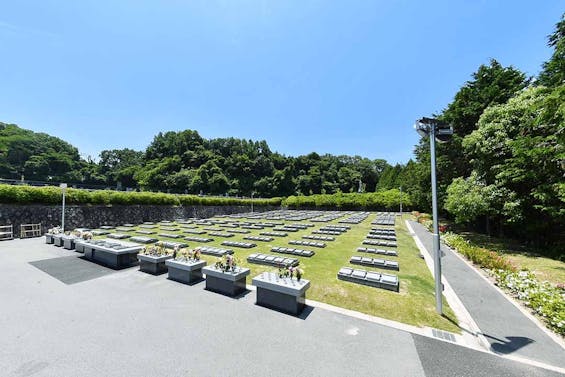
(440, 131)
(63, 186)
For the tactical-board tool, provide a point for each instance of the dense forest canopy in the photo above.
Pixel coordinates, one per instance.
(184, 162)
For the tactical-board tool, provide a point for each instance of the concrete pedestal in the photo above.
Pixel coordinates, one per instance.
(68, 242)
(187, 272)
(125, 256)
(58, 240)
(153, 264)
(287, 295)
(226, 283)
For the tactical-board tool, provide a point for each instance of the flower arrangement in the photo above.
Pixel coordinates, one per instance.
(186, 255)
(290, 272)
(155, 251)
(228, 263)
(54, 230)
(86, 236)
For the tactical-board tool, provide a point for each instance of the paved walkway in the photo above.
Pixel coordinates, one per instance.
(56, 321)
(505, 327)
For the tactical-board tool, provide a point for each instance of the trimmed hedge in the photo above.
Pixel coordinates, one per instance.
(388, 200)
(52, 195)
(478, 255)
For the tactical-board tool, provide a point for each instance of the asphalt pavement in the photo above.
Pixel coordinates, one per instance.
(505, 327)
(129, 323)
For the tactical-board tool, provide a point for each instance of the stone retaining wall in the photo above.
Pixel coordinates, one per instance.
(93, 216)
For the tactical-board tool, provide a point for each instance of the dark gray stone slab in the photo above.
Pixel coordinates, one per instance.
(370, 278)
(170, 235)
(169, 229)
(124, 229)
(118, 236)
(272, 260)
(199, 239)
(216, 251)
(145, 240)
(71, 270)
(246, 245)
(58, 240)
(226, 283)
(220, 234)
(185, 271)
(153, 264)
(145, 226)
(144, 232)
(69, 242)
(258, 238)
(171, 244)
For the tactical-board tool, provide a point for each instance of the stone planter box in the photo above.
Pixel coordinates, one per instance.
(287, 295)
(153, 264)
(58, 239)
(79, 245)
(112, 254)
(226, 283)
(69, 242)
(49, 238)
(185, 271)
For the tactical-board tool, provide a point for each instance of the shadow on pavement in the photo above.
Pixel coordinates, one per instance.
(511, 344)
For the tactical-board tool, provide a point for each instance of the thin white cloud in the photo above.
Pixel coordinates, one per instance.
(6, 27)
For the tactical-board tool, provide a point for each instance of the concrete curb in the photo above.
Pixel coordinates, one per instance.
(472, 334)
(517, 304)
(460, 309)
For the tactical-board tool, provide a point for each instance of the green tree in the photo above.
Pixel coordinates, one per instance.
(553, 72)
(519, 148)
(470, 199)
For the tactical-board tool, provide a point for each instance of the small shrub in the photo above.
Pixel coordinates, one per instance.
(478, 255)
(545, 300)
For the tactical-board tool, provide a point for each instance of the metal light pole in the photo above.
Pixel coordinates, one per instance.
(63, 186)
(252, 201)
(435, 129)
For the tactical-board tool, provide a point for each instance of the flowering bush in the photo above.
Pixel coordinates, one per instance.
(544, 299)
(482, 257)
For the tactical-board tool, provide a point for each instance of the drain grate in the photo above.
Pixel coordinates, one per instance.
(444, 335)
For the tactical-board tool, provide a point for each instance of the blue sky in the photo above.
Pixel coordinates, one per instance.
(340, 77)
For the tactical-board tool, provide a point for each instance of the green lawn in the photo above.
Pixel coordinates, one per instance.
(414, 304)
(544, 268)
